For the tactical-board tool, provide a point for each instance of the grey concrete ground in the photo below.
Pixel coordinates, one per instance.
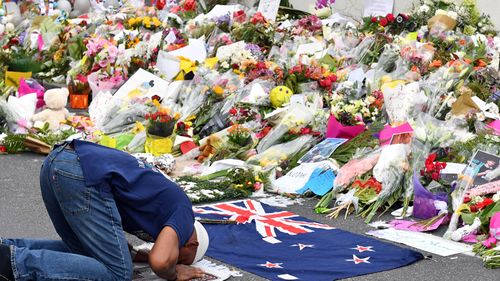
(22, 214)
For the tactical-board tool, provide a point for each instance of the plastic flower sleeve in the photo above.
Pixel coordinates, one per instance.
(298, 116)
(403, 101)
(272, 156)
(125, 119)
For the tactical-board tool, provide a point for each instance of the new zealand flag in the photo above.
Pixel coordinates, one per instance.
(280, 245)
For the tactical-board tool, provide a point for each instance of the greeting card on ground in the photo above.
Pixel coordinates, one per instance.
(280, 245)
(142, 84)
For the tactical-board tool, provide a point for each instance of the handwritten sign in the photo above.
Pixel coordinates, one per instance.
(376, 8)
(269, 9)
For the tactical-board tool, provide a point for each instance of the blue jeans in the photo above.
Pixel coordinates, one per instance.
(93, 245)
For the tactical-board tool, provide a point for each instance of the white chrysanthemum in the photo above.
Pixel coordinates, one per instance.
(424, 8)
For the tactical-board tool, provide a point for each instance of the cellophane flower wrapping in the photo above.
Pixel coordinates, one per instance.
(298, 116)
(403, 101)
(356, 167)
(275, 154)
(390, 168)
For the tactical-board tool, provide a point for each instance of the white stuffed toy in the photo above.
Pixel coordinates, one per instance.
(55, 112)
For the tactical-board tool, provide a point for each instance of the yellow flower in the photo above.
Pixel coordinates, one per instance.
(177, 116)
(131, 21)
(156, 103)
(218, 90)
(147, 22)
(156, 22)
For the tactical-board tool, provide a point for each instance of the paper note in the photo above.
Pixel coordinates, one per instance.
(298, 177)
(317, 49)
(168, 65)
(195, 51)
(269, 9)
(426, 242)
(376, 8)
(222, 10)
(320, 182)
(144, 84)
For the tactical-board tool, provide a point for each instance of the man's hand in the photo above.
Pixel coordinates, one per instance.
(186, 272)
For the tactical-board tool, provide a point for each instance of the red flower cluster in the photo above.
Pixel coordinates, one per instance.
(328, 81)
(159, 116)
(480, 205)
(189, 6)
(264, 132)
(389, 18)
(239, 16)
(258, 18)
(432, 169)
(3, 149)
(305, 131)
(309, 72)
(370, 183)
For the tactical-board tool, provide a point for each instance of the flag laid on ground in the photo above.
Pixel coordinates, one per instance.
(280, 245)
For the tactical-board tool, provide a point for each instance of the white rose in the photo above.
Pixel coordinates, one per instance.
(424, 8)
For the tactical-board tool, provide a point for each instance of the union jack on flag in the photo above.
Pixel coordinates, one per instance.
(266, 223)
(306, 250)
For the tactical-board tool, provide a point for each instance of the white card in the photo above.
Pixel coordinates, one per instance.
(376, 8)
(269, 9)
(168, 65)
(195, 51)
(146, 83)
(170, 38)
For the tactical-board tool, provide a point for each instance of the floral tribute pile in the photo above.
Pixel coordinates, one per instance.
(246, 98)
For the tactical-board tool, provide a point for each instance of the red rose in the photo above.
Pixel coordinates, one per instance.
(239, 16)
(160, 4)
(156, 97)
(189, 5)
(258, 18)
(325, 83)
(486, 202)
(3, 149)
(383, 22)
(435, 176)
(390, 17)
(233, 111)
(467, 199)
(305, 131)
(474, 208)
(374, 19)
(333, 78)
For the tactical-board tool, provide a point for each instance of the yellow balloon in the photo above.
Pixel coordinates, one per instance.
(280, 95)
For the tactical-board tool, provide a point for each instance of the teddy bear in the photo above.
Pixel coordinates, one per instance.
(209, 149)
(55, 108)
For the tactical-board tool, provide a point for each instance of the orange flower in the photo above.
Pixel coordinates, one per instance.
(414, 68)
(480, 63)
(436, 63)
(462, 42)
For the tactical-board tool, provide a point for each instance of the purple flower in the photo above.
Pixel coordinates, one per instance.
(320, 4)
(223, 20)
(254, 49)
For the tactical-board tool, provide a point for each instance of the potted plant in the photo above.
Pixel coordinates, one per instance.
(79, 91)
(160, 132)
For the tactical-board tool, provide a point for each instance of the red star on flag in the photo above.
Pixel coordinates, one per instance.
(357, 260)
(302, 246)
(363, 248)
(271, 265)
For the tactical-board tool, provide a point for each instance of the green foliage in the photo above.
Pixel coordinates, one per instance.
(217, 190)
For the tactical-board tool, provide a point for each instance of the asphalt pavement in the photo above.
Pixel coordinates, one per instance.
(22, 214)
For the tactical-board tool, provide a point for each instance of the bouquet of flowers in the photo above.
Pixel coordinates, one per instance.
(161, 123)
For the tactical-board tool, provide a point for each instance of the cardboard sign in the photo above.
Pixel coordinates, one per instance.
(269, 9)
(376, 8)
